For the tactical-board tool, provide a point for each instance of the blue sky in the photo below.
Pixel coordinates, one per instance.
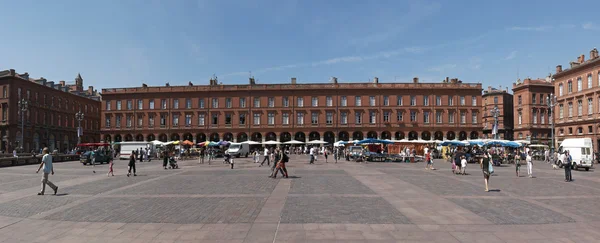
(124, 43)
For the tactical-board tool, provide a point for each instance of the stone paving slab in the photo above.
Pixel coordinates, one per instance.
(341, 210)
(318, 184)
(32, 205)
(318, 172)
(205, 185)
(33, 182)
(539, 187)
(511, 211)
(165, 210)
(584, 207)
(442, 185)
(255, 172)
(402, 172)
(9, 178)
(110, 183)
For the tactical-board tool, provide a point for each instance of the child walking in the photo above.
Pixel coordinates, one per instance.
(110, 168)
(463, 165)
(256, 156)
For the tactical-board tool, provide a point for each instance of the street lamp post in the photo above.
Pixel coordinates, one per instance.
(495, 112)
(23, 106)
(79, 117)
(551, 102)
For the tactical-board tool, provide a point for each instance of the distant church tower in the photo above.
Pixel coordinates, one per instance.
(79, 82)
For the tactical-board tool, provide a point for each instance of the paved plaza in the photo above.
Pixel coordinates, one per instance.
(325, 202)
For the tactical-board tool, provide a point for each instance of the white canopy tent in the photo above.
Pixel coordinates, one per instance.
(339, 143)
(251, 142)
(271, 143)
(316, 142)
(293, 142)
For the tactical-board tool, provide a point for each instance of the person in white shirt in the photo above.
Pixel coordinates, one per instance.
(463, 165)
(312, 155)
(425, 150)
(48, 169)
(266, 154)
(529, 165)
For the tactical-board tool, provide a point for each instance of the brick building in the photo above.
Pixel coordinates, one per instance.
(533, 118)
(50, 117)
(282, 112)
(493, 97)
(578, 101)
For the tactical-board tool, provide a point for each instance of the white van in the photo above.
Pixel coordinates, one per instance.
(128, 147)
(581, 152)
(239, 149)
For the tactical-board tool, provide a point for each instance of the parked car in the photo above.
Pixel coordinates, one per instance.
(99, 157)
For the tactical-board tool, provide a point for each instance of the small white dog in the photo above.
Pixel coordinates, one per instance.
(555, 167)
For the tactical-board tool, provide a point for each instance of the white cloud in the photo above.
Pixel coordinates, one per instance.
(442, 68)
(538, 28)
(338, 60)
(511, 56)
(567, 26)
(590, 26)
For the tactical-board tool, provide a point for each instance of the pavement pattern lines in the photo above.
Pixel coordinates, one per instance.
(326, 202)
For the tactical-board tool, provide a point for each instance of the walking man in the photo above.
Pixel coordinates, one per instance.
(266, 154)
(567, 164)
(312, 155)
(48, 169)
(336, 152)
(529, 165)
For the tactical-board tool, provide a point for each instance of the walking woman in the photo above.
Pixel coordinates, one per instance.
(201, 156)
(166, 159)
(131, 165)
(485, 167)
(110, 167)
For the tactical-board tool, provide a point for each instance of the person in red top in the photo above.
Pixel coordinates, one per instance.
(429, 161)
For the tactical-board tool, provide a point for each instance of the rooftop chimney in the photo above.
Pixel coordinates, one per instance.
(415, 79)
(293, 80)
(558, 68)
(190, 83)
(574, 64)
(376, 80)
(24, 76)
(447, 79)
(252, 81)
(581, 58)
(167, 84)
(12, 72)
(144, 85)
(62, 83)
(593, 54)
(90, 90)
